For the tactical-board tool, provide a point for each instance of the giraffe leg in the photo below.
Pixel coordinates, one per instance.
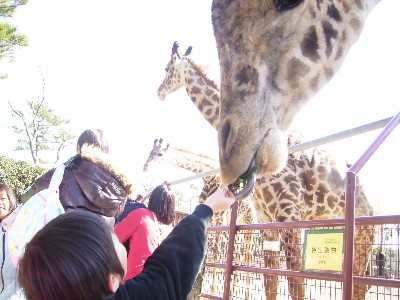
(271, 260)
(292, 246)
(364, 239)
(243, 255)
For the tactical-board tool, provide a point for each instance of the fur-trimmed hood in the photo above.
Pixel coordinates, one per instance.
(90, 182)
(100, 158)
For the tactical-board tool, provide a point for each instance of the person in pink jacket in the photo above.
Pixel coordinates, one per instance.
(146, 228)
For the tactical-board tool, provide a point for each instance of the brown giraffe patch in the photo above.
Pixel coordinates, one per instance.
(309, 44)
(333, 12)
(330, 36)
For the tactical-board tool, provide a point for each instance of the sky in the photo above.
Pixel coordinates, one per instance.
(102, 62)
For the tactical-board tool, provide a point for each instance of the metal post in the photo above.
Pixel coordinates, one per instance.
(348, 266)
(229, 253)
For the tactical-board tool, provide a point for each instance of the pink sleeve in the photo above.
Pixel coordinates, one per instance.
(125, 229)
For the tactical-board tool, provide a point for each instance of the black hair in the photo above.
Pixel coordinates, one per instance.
(70, 258)
(162, 203)
(93, 137)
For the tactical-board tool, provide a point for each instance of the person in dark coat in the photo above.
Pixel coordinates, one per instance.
(90, 182)
(82, 268)
(130, 206)
(380, 262)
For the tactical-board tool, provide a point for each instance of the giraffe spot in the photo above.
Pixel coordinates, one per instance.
(277, 187)
(334, 13)
(320, 211)
(346, 7)
(311, 180)
(300, 164)
(209, 92)
(195, 90)
(200, 82)
(356, 25)
(272, 207)
(308, 201)
(331, 202)
(309, 44)
(312, 11)
(281, 219)
(285, 205)
(328, 73)
(247, 76)
(208, 112)
(359, 4)
(205, 102)
(330, 34)
(339, 53)
(289, 211)
(314, 83)
(321, 192)
(322, 173)
(296, 70)
(335, 178)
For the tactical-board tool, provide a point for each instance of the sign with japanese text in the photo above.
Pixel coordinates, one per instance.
(323, 250)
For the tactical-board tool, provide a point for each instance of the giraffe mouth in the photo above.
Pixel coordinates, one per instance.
(244, 185)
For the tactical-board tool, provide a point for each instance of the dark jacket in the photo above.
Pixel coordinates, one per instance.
(90, 182)
(129, 207)
(169, 273)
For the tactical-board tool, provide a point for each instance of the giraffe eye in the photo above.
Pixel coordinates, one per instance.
(159, 154)
(282, 5)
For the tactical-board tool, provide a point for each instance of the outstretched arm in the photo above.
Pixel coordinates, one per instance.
(169, 273)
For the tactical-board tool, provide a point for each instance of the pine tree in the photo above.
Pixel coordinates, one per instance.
(42, 130)
(10, 39)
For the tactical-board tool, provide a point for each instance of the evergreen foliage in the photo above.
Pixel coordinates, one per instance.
(10, 38)
(18, 174)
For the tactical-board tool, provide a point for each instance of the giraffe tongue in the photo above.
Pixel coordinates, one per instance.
(247, 186)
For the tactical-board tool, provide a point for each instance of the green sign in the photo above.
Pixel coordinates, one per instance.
(323, 250)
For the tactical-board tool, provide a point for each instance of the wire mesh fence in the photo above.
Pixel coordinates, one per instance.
(300, 262)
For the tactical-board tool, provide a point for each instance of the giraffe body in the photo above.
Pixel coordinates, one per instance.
(310, 187)
(274, 57)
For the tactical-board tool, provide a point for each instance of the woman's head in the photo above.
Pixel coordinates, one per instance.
(74, 256)
(93, 137)
(7, 201)
(162, 203)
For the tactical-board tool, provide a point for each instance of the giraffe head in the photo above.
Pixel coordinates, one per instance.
(182, 71)
(274, 57)
(174, 78)
(155, 155)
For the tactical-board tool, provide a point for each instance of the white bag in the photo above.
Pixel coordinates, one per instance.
(27, 219)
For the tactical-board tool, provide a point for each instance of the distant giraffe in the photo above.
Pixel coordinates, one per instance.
(310, 187)
(198, 163)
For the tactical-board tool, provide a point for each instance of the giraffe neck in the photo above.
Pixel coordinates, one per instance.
(184, 159)
(203, 91)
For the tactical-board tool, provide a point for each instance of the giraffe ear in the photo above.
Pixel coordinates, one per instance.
(282, 5)
(188, 51)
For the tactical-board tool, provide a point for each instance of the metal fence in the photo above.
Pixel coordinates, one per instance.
(245, 261)
(255, 271)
